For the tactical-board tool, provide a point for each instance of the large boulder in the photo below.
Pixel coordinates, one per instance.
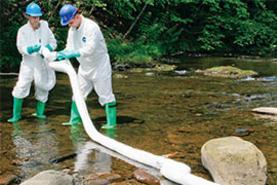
(50, 177)
(233, 161)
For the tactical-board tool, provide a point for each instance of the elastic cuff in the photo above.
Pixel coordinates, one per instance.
(77, 54)
(25, 51)
(48, 46)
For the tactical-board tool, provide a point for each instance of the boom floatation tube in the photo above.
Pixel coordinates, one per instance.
(175, 171)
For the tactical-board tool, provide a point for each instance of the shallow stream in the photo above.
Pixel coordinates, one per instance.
(164, 113)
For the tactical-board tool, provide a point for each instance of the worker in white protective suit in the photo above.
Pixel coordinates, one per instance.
(85, 41)
(33, 40)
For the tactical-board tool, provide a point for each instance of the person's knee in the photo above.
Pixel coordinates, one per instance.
(20, 92)
(42, 96)
(106, 99)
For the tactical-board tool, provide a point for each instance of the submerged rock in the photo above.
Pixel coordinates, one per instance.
(97, 182)
(144, 177)
(228, 72)
(233, 161)
(102, 179)
(120, 76)
(164, 67)
(50, 177)
(156, 68)
(9, 179)
(139, 70)
(243, 132)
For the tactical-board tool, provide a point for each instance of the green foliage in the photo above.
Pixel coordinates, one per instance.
(239, 27)
(145, 30)
(132, 52)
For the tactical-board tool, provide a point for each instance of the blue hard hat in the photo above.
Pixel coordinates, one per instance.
(67, 12)
(33, 10)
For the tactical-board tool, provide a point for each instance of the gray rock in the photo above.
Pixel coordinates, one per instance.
(233, 161)
(241, 132)
(96, 182)
(144, 177)
(50, 177)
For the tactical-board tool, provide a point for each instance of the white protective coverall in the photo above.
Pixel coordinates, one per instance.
(33, 67)
(95, 67)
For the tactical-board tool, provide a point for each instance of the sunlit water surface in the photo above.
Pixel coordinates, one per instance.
(163, 113)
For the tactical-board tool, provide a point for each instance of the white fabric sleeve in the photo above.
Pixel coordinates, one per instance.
(51, 38)
(21, 42)
(69, 40)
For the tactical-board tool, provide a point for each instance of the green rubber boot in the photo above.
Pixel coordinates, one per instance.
(110, 109)
(74, 116)
(110, 133)
(40, 110)
(17, 108)
(75, 133)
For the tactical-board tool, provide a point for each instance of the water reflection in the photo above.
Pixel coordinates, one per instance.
(192, 106)
(102, 157)
(268, 78)
(102, 162)
(32, 146)
(263, 79)
(23, 149)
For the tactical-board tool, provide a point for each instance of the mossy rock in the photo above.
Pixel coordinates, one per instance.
(157, 68)
(164, 67)
(228, 72)
(120, 76)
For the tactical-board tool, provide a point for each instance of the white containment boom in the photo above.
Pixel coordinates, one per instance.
(175, 171)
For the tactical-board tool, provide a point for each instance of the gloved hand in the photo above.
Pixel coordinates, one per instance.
(66, 54)
(45, 51)
(33, 49)
(48, 46)
(47, 55)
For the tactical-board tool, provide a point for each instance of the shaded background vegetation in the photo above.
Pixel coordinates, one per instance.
(140, 31)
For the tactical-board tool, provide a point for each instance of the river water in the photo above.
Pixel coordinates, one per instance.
(160, 112)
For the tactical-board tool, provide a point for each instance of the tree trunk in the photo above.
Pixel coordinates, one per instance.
(136, 20)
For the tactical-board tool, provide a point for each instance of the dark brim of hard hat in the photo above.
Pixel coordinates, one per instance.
(64, 23)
